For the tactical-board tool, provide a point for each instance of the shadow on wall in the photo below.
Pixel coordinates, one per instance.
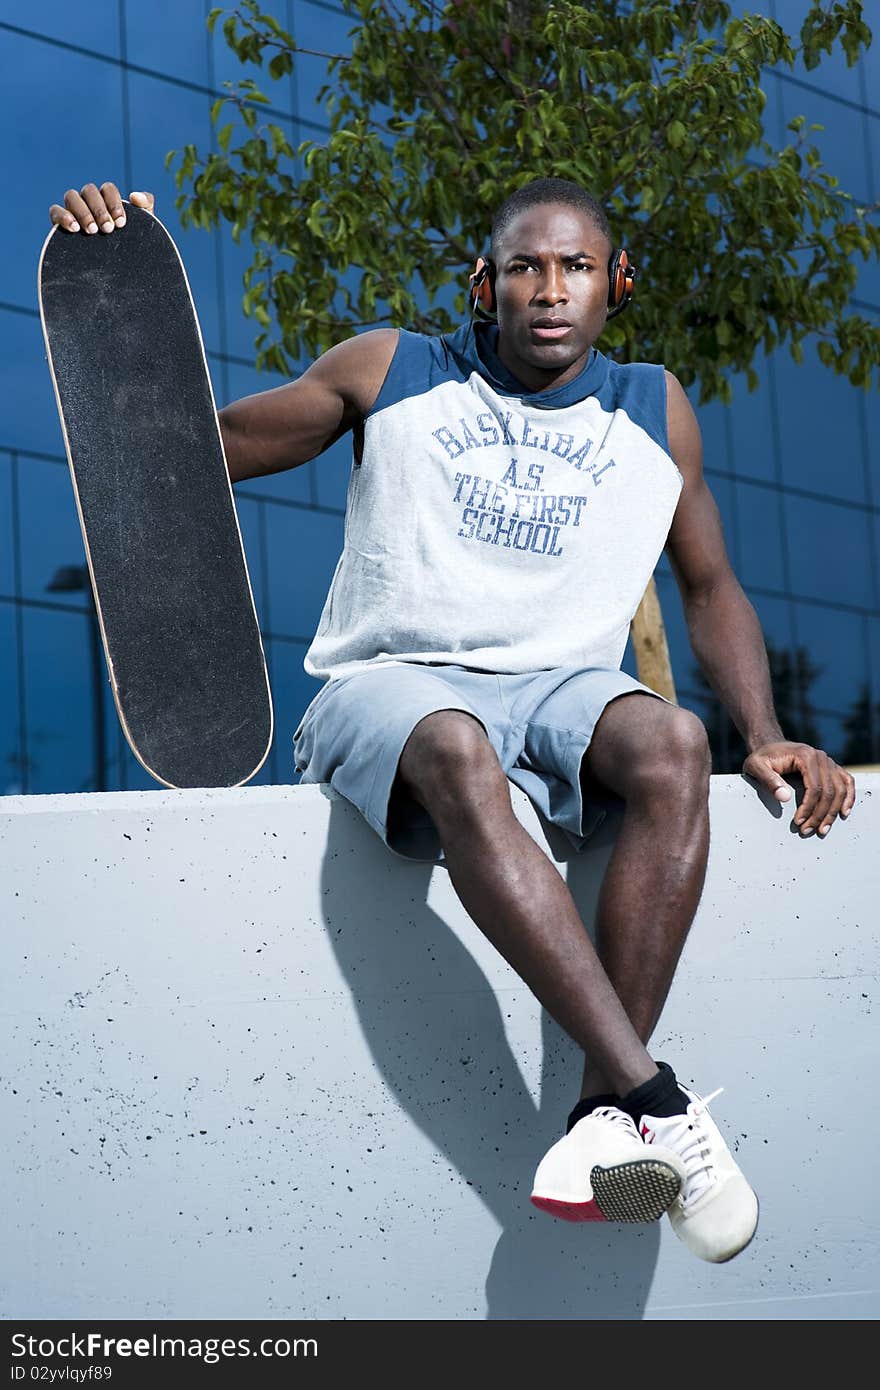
(435, 1030)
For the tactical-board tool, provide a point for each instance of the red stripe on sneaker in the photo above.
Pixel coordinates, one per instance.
(569, 1211)
(649, 1135)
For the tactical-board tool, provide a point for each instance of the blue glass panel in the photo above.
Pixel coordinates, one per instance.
(723, 490)
(832, 740)
(751, 424)
(11, 776)
(311, 76)
(62, 118)
(842, 142)
(325, 31)
(89, 26)
(50, 529)
(235, 258)
(60, 696)
(332, 471)
(873, 644)
(819, 428)
(870, 63)
(835, 641)
(170, 36)
(326, 25)
(7, 568)
(292, 691)
(303, 549)
(832, 74)
(249, 520)
(165, 117)
(759, 524)
(30, 415)
(293, 484)
(828, 551)
(867, 288)
(712, 419)
(775, 617)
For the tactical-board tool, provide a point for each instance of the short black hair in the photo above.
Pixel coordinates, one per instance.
(547, 191)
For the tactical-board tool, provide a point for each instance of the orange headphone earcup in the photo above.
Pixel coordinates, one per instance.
(621, 281)
(482, 281)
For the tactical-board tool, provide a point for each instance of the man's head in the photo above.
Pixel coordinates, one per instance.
(562, 192)
(551, 245)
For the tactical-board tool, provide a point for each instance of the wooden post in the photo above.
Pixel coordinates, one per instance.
(650, 645)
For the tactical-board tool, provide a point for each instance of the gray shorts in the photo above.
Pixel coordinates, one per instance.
(539, 723)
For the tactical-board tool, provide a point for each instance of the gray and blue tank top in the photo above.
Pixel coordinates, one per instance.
(489, 527)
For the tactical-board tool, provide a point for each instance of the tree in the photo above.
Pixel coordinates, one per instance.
(441, 109)
(862, 726)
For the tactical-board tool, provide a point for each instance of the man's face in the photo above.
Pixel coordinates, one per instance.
(551, 291)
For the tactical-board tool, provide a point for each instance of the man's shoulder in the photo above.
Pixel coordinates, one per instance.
(639, 389)
(420, 363)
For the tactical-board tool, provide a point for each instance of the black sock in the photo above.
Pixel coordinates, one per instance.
(662, 1095)
(586, 1107)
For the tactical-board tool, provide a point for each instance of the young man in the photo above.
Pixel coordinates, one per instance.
(511, 493)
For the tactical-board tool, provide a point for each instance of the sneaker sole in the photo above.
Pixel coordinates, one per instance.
(641, 1191)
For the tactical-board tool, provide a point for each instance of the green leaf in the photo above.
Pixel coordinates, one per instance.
(279, 65)
(676, 134)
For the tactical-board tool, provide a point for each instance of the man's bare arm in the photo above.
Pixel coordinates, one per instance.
(290, 424)
(723, 626)
(727, 640)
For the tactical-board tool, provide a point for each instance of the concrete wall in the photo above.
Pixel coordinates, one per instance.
(253, 1065)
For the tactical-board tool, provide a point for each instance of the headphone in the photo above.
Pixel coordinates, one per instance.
(621, 281)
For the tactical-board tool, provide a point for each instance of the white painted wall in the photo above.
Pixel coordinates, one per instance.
(253, 1065)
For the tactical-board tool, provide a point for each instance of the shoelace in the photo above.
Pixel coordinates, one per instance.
(692, 1142)
(619, 1118)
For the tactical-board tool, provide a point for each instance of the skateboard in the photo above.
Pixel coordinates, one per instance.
(163, 545)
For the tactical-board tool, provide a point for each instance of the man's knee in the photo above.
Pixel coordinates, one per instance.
(447, 753)
(662, 750)
(680, 763)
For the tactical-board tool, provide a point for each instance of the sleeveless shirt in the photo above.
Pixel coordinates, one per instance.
(495, 528)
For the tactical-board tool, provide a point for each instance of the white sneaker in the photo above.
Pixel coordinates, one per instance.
(716, 1212)
(600, 1172)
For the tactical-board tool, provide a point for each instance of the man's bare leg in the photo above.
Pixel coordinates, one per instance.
(513, 892)
(657, 758)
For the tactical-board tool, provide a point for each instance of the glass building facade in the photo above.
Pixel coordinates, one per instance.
(104, 91)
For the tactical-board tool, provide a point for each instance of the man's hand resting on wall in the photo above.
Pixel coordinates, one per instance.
(829, 790)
